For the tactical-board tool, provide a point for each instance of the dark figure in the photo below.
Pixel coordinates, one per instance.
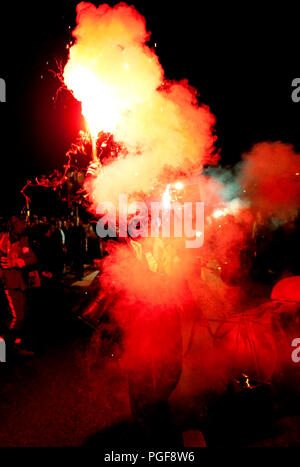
(49, 254)
(16, 257)
(77, 247)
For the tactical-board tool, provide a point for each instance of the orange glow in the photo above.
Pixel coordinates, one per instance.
(121, 85)
(99, 105)
(179, 186)
(247, 381)
(109, 71)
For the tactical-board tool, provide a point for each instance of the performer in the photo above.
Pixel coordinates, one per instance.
(15, 257)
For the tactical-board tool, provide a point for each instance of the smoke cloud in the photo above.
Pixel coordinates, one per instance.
(270, 177)
(119, 81)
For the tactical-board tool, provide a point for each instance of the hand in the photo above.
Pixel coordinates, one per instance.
(93, 168)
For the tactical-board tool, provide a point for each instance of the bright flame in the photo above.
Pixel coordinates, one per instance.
(247, 381)
(121, 85)
(99, 104)
(108, 70)
(179, 186)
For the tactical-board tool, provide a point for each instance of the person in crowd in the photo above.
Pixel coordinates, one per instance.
(93, 243)
(77, 247)
(16, 258)
(59, 239)
(50, 254)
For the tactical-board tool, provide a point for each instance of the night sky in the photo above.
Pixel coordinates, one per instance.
(241, 59)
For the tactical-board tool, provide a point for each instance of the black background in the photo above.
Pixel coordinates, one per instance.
(242, 59)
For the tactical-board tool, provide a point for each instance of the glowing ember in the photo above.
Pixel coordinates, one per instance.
(247, 381)
(179, 186)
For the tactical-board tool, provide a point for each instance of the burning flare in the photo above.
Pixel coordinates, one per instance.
(121, 85)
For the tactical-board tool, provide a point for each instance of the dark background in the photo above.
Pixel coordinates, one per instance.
(242, 59)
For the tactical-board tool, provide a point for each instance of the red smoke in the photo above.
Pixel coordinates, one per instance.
(166, 133)
(270, 176)
(119, 81)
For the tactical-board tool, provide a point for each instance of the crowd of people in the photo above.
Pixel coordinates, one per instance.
(40, 254)
(63, 245)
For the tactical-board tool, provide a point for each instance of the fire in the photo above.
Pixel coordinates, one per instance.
(247, 381)
(121, 85)
(107, 69)
(99, 105)
(179, 186)
(167, 135)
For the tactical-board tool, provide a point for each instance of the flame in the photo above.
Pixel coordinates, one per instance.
(179, 186)
(121, 85)
(99, 104)
(247, 381)
(108, 69)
